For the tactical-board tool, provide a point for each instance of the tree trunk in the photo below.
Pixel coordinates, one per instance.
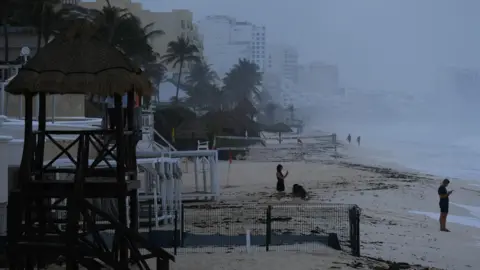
(40, 29)
(5, 38)
(178, 82)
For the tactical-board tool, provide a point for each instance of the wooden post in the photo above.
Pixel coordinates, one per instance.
(132, 160)
(268, 238)
(39, 157)
(121, 197)
(25, 168)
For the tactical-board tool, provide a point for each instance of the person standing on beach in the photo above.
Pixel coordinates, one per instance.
(358, 140)
(349, 138)
(281, 178)
(444, 201)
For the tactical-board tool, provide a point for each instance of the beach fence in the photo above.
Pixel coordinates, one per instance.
(204, 228)
(207, 228)
(272, 149)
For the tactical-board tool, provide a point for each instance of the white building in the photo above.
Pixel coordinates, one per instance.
(283, 61)
(320, 78)
(227, 40)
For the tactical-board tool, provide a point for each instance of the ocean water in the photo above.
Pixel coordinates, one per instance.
(440, 151)
(471, 221)
(429, 149)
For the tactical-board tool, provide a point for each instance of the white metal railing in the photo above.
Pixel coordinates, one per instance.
(148, 127)
(147, 121)
(170, 146)
(7, 73)
(162, 183)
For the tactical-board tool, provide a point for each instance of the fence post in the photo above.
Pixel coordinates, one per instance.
(357, 230)
(268, 238)
(175, 233)
(150, 213)
(182, 225)
(354, 222)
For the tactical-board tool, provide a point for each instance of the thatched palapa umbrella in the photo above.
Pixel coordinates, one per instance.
(278, 128)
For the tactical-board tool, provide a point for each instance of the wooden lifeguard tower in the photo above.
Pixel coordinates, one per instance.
(79, 62)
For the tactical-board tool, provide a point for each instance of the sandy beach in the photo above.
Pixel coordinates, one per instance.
(388, 229)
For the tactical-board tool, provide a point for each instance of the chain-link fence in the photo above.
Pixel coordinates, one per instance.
(211, 228)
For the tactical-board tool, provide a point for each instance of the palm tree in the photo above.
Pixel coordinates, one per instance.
(9, 14)
(243, 82)
(5, 17)
(201, 74)
(180, 52)
(200, 86)
(125, 31)
(156, 74)
(42, 16)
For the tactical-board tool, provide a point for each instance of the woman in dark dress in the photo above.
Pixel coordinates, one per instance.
(281, 178)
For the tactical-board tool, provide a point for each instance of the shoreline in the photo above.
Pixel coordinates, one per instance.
(387, 195)
(464, 222)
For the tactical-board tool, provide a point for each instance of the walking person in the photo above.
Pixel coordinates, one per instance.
(444, 202)
(358, 140)
(349, 138)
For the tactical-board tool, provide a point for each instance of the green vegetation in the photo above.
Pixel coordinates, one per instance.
(226, 106)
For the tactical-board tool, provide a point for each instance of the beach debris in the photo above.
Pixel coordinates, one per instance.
(355, 264)
(281, 219)
(386, 172)
(380, 264)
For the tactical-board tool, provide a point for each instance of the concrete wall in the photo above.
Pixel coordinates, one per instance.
(65, 105)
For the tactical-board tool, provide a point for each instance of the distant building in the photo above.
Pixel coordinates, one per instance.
(283, 91)
(227, 40)
(465, 83)
(320, 78)
(283, 61)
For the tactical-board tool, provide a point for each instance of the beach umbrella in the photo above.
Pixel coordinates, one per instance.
(278, 128)
(194, 127)
(80, 62)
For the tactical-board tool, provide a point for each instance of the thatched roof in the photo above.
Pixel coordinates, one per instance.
(219, 121)
(79, 62)
(195, 126)
(175, 115)
(278, 127)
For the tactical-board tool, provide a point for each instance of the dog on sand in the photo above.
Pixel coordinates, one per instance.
(299, 191)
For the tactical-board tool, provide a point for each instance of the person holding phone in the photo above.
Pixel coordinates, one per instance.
(444, 201)
(281, 178)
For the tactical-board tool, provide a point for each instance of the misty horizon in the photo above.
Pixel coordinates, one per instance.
(381, 45)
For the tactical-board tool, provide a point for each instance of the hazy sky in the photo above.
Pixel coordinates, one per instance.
(376, 43)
